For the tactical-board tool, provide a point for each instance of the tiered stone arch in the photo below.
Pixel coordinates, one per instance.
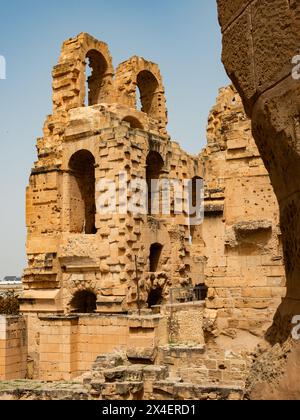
(137, 73)
(69, 76)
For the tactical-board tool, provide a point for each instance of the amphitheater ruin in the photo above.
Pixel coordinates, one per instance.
(151, 306)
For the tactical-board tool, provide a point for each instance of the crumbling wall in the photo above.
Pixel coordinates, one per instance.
(245, 271)
(184, 324)
(144, 75)
(69, 74)
(65, 255)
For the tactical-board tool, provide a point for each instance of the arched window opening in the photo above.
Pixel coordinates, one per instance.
(155, 297)
(84, 302)
(134, 123)
(155, 254)
(148, 87)
(155, 165)
(82, 193)
(96, 71)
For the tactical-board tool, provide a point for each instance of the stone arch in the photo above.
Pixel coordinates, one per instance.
(137, 73)
(161, 147)
(82, 193)
(84, 302)
(69, 76)
(147, 85)
(96, 81)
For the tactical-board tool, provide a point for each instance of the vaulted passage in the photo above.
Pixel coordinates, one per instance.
(84, 302)
(82, 193)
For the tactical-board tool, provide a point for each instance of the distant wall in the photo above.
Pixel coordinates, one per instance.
(13, 348)
(6, 288)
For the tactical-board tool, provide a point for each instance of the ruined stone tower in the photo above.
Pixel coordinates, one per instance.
(81, 260)
(72, 249)
(193, 300)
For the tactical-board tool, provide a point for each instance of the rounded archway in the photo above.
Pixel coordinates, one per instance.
(82, 193)
(139, 85)
(81, 57)
(96, 69)
(148, 87)
(84, 302)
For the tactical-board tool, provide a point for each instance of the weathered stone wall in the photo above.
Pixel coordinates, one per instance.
(244, 270)
(119, 237)
(13, 348)
(184, 324)
(206, 367)
(68, 346)
(7, 289)
(260, 39)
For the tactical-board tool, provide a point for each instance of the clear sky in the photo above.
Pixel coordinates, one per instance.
(183, 37)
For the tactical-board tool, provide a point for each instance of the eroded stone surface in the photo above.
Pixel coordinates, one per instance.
(258, 58)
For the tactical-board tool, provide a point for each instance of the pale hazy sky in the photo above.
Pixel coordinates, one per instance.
(183, 37)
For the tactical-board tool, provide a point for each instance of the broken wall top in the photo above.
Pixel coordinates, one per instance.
(105, 84)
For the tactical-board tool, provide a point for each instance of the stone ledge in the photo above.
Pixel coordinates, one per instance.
(253, 226)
